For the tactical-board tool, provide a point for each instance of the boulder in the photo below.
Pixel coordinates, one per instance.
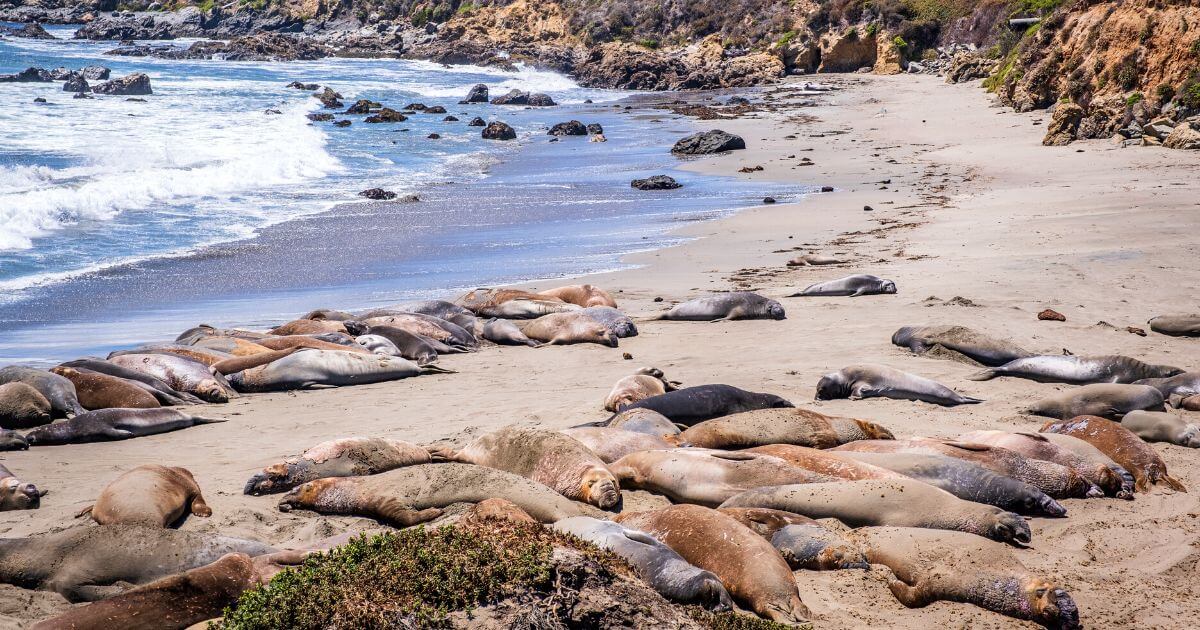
(517, 97)
(95, 73)
(656, 182)
(713, 141)
(478, 94)
(1186, 135)
(329, 98)
(76, 83)
(969, 66)
(595, 128)
(136, 84)
(320, 117)
(847, 52)
(342, 123)
(303, 86)
(377, 194)
(569, 128)
(33, 30)
(477, 122)
(363, 106)
(450, 119)
(499, 131)
(1159, 128)
(436, 109)
(416, 107)
(386, 115)
(28, 75)
(541, 100)
(1063, 125)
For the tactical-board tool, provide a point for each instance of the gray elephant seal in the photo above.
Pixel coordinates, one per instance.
(412, 346)
(1102, 399)
(934, 566)
(850, 286)
(1175, 388)
(346, 457)
(721, 307)
(1122, 445)
(706, 477)
(657, 564)
(1157, 426)
(1095, 467)
(815, 260)
(192, 336)
(335, 368)
(961, 340)
(435, 328)
(58, 391)
(16, 494)
(619, 323)
(644, 383)
(568, 328)
(113, 424)
(378, 344)
(22, 406)
(1176, 325)
(1079, 370)
(871, 380)
(895, 502)
(149, 495)
(180, 374)
(416, 494)
(691, 405)
(12, 441)
(504, 332)
(164, 393)
(781, 426)
(641, 420)
(611, 444)
(802, 542)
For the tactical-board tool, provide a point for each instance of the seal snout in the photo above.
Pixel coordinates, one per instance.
(1050, 507)
(258, 485)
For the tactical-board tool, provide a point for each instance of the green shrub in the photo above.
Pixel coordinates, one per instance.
(1134, 99)
(899, 42)
(1164, 92)
(872, 29)
(1188, 94)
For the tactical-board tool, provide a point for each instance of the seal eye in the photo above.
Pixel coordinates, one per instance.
(1041, 592)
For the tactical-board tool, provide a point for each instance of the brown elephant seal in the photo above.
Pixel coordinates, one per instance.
(802, 427)
(584, 295)
(644, 383)
(192, 336)
(934, 566)
(895, 502)
(504, 332)
(12, 441)
(1122, 446)
(310, 327)
(837, 465)
(1175, 388)
(345, 457)
(235, 346)
(547, 457)
(164, 393)
(113, 424)
(641, 420)
(482, 297)
(513, 304)
(721, 307)
(416, 494)
(101, 391)
(692, 405)
(815, 260)
(1159, 426)
(232, 365)
(1094, 455)
(802, 542)
(880, 381)
(1176, 325)
(657, 564)
(963, 341)
(1107, 400)
(706, 477)
(1103, 472)
(22, 406)
(497, 509)
(330, 368)
(1078, 370)
(1190, 403)
(149, 495)
(181, 374)
(94, 563)
(195, 353)
(612, 444)
(434, 328)
(327, 313)
(750, 568)
(568, 328)
(58, 391)
(16, 494)
(850, 286)
(306, 341)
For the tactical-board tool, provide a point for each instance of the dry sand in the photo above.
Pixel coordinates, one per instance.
(975, 207)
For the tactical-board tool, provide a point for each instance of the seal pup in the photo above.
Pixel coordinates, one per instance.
(657, 564)
(1107, 400)
(838, 465)
(1122, 446)
(496, 509)
(568, 328)
(646, 382)
(691, 405)
(1175, 388)
(611, 444)
(641, 420)
(706, 477)
(803, 542)
(101, 391)
(113, 424)
(761, 427)
(850, 286)
(16, 494)
(1101, 471)
(504, 332)
(149, 495)
(960, 340)
(22, 406)
(815, 260)
(584, 295)
(619, 323)
(1176, 325)
(180, 374)
(870, 380)
(416, 494)
(58, 391)
(547, 457)
(333, 368)
(934, 566)
(1157, 426)
(750, 568)
(896, 502)
(345, 457)
(1078, 370)
(164, 393)
(12, 441)
(721, 307)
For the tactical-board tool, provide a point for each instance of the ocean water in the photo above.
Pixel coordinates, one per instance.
(125, 221)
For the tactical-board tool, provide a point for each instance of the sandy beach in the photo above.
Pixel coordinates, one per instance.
(976, 222)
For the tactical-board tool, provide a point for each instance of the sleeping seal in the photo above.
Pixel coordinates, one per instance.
(1120, 444)
(1097, 468)
(504, 332)
(1157, 426)
(825, 462)
(435, 328)
(802, 542)
(149, 495)
(781, 426)
(1175, 388)
(706, 477)
(513, 304)
(721, 307)
(164, 393)
(180, 374)
(815, 260)
(378, 344)
(646, 382)
(16, 494)
(1107, 400)
(939, 565)
(310, 368)
(641, 420)
(58, 391)
(619, 323)
(345, 457)
(113, 424)
(611, 444)
(1176, 325)
(964, 341)
(584, 295)
(870, 380)
(409, 345)
(101, 391)
(850, 286)
(22, 406)
(657, 564)
(1078, 370)
(568, 328)
(691, 405)
(12, 441)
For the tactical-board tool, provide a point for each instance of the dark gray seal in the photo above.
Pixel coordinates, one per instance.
(504, 332)
(850, 286)
(59, 391)
(164, 393)
(725, 306)
(691, 405)
(1175, 388)
(879, 381)
(413, 346)
(16, 494)
(1176, 325)
(1079, 370)
(113, 424)
(802, 542)
(12, 441)
(1107, 400)
(619, 323)
(970, 343)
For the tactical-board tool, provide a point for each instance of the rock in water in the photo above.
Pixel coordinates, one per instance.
(656, 182)
(499, 131)
(303, 86)
(95, 73)
(595, 128)
(478, 94)
(569, 128)
(517, 97)
(320, 117)
(436, 109)
(33, 30)
(329, 98)
(378, 194)
(477, 122)
(76, 83)
(386, 115)
(136, 84)
(705, 142)
(363, 106)
(28, 75)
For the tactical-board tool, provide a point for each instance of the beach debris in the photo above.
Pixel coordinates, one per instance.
(1051, 315)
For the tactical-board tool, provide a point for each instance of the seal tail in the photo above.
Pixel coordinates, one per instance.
(85, 511)
(203, 420)
(968, 400)
(433, 369)
(984, 375)
(1172, 482)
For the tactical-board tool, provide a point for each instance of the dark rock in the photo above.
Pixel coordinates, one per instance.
(477, 122)
(768, 200)
(386, 115)
(595, 128)
(377, 194)
(436, 109)
(868, 209)
(28, 75)
(82, 95)
(705, 142)
(434, 136)
(272, 112)
(478, 94)
(329, 98)
(541, 100)
(569, 128)
(554, 139)
(136, 84)
(450, 119)
(827, 189)
(76, 83)
(32, 30)
(95, 73)
(134, 99)
(342, 123)
(656, 182)
(39, 100)
(320, 117)
(499, 131)
(415, 107)
(734, 101)
(363, 106)
(256, 47)
(517, 97)
(303, 86)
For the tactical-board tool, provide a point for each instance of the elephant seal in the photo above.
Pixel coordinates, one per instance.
(513, 304)
(897, 502)
(412, 346)
(837, 465)
(721, 307)
(1107, 400)
(612, 444)
(1122, 446)
(1078, 370)
(969, 481)
(12, 441)
(961, 340)
(934, 566)
(334, 368)
(1190, 403)
(22, 406)
(871, 380)
(1157, 426)
(803, 543)
(640, 420)
(233, 365)
(781, 426)
(195, 353)
(416, 494)
(113, 424)
(504, 332)
(1176, 325)
(815, 260)
(58, 391)
(547, 457)
(191, 336)
(16, 494)
(1103, 472)
(236, 346)
(584, 295)
(164, 393)
(1175, 388)
(640, 385)
(149, 495)
(437, 308)
(619, 323)
(307, 341)
(850, 286)
(312, 327)
(1089, 452)
(328, 313)
(706, 477)
(378, 344)
(435, 328)
(101, 391)
(691, 405)
(345, 457)
(568, 328)
(180, 374)
(94, 563)
(496, 509)
(750, 568)
(657, 564)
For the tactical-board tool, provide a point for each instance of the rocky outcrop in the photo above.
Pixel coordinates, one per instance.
(1063, 125)
(386, 115)
(848, 51)
(377, 194)
(329, 98)
(363, 106)
(569, 128)
(1185, 135)
(499, 131)
(478, 94)
(259, 47)
(713, 141)
(32, 30)
(518, 97)
(969, 66)
(76, 83)
(136, 84)
(889, 57)
(28, 75)
(656, 182)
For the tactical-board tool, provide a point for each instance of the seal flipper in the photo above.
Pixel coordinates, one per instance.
(395, 512)
(910, 596)
(85, 511)
(203, 420)
(984, 375)
(1172, 482)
